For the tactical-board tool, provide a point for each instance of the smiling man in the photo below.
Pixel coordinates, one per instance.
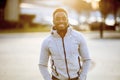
(65, 47)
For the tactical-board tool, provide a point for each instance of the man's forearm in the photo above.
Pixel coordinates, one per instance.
(44, 71)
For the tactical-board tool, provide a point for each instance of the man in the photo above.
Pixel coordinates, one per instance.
(64, 47)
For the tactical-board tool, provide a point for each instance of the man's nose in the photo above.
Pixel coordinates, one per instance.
(61, 21)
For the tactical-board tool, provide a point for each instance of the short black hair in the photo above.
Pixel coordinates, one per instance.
(59, 10)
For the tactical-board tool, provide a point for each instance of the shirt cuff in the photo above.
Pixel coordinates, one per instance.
(82, 77)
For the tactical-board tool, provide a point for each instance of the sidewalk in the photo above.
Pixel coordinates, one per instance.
(105, 54)
(106, 34)
(19, 56)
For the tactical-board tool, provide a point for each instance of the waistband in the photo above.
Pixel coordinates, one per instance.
(54, 78)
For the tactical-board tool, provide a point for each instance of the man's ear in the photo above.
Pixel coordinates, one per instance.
(53, 21)
(54, 28)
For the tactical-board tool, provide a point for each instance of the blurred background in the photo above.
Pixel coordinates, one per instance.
(84, 15)
(25, 23)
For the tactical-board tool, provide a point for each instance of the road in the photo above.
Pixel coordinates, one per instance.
(19, 56)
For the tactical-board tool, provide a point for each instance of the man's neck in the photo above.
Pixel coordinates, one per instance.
(62, 33)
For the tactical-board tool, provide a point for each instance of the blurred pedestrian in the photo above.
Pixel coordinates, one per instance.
(65, 48)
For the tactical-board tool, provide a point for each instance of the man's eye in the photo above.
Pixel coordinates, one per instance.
(57, 19)
(63, 18)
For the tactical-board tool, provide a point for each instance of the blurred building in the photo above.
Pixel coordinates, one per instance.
(43, 11)
(91, 13)
(9, 12)
(19, 13)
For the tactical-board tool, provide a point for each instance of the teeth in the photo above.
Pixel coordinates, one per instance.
(61, 25)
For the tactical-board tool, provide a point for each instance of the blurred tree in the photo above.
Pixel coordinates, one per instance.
(106, 7)
(82, 6)
(2, 7)
(2, 4)
(79, 5)
(116, 7)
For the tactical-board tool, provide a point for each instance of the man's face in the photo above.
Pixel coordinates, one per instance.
(61, 21)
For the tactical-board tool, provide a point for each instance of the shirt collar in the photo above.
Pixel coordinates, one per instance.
(55, 34)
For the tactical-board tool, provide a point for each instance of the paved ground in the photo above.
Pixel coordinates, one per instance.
(19, 55)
